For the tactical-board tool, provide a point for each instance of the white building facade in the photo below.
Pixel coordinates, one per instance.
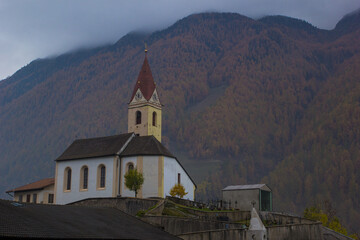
(95, 167)
(79, 176)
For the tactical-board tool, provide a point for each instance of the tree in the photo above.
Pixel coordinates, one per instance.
(178, 190)
(134, 180)
(327, 218)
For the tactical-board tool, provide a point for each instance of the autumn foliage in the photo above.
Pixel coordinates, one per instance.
(178, 190)
(273, 101)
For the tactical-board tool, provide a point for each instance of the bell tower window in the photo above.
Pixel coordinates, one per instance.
(154, 119)
(138, 117)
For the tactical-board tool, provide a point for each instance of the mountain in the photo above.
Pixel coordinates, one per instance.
(273, 100)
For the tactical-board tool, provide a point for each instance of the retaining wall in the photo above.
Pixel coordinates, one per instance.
(177, 225)
(302, 231)
(282, 218)
(128, 205)
(230, 234)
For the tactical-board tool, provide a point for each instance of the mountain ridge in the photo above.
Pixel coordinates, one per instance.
(260, 90)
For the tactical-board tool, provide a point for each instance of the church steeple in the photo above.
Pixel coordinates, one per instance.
(145, 81)
(144, 111)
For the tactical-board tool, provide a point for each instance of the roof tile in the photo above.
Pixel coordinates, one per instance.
(34, 186)
(95, 147)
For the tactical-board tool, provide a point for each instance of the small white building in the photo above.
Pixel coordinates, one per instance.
(245, 197)
(95, 167)
(41, 191)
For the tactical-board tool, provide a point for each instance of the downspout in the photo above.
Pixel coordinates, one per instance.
(119, 185)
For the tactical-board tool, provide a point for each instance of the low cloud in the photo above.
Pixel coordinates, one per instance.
(40, 28)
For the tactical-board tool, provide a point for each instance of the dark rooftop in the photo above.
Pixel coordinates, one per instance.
(59, 221)
(95, 147)
(146, 145)
(109, 146)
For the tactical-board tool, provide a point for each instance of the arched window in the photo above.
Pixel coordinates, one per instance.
(154, 119)
(101, 176)
(84, 178)
(67, 179)
(179, 178)
(130, 166)
(138, 117)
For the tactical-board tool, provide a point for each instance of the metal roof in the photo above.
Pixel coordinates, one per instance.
(247, 187)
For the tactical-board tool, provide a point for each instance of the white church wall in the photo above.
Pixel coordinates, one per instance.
(75, 194)
(125, 192)
(149, 167)
(151, 176)
(171, 170)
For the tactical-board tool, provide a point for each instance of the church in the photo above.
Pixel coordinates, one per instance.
(95, 167)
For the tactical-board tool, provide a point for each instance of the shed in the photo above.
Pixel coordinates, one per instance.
(243, 197)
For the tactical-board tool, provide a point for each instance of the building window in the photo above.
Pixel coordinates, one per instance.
(138, 117)
(67, 179)
(84, 178)
(179, 178)
(20, 198)
(28, 197)
(51, 198)
(101, 176)
(130, 166)
(34, 197)
(154, 119)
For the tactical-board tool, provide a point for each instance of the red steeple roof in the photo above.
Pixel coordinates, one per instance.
(144, 81)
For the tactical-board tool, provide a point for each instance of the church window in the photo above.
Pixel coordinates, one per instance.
(51, 198)
(67, 179)
(179, 178)
(154, 119)
(84, 176)
(34, 197)
(101, 176)
(138, 117)
(130, 166)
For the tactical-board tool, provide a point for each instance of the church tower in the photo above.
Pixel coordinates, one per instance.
(144, 110)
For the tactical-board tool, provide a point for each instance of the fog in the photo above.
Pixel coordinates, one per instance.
(41, 28)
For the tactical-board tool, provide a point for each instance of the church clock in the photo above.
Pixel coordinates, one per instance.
(138, 96)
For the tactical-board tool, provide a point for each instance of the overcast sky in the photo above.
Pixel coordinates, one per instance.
(31, 29)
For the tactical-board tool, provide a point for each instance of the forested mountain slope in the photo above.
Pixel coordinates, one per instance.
(276, 100)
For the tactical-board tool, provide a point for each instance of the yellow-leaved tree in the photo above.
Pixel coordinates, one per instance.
(178, 190)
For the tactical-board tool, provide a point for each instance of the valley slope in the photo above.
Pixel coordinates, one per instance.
(273, 100)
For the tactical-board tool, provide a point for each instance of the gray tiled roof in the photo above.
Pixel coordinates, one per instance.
(146, 145)
(59, 221)
(112, 145)
(95, 147)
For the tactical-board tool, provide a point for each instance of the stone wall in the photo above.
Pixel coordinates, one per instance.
(302, 231)
(282, 219)
(128, 205)
(177, 225)
(231, 234)
(332, 235)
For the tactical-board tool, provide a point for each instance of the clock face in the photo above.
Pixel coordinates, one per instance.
(138, 95)
(155, 97)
